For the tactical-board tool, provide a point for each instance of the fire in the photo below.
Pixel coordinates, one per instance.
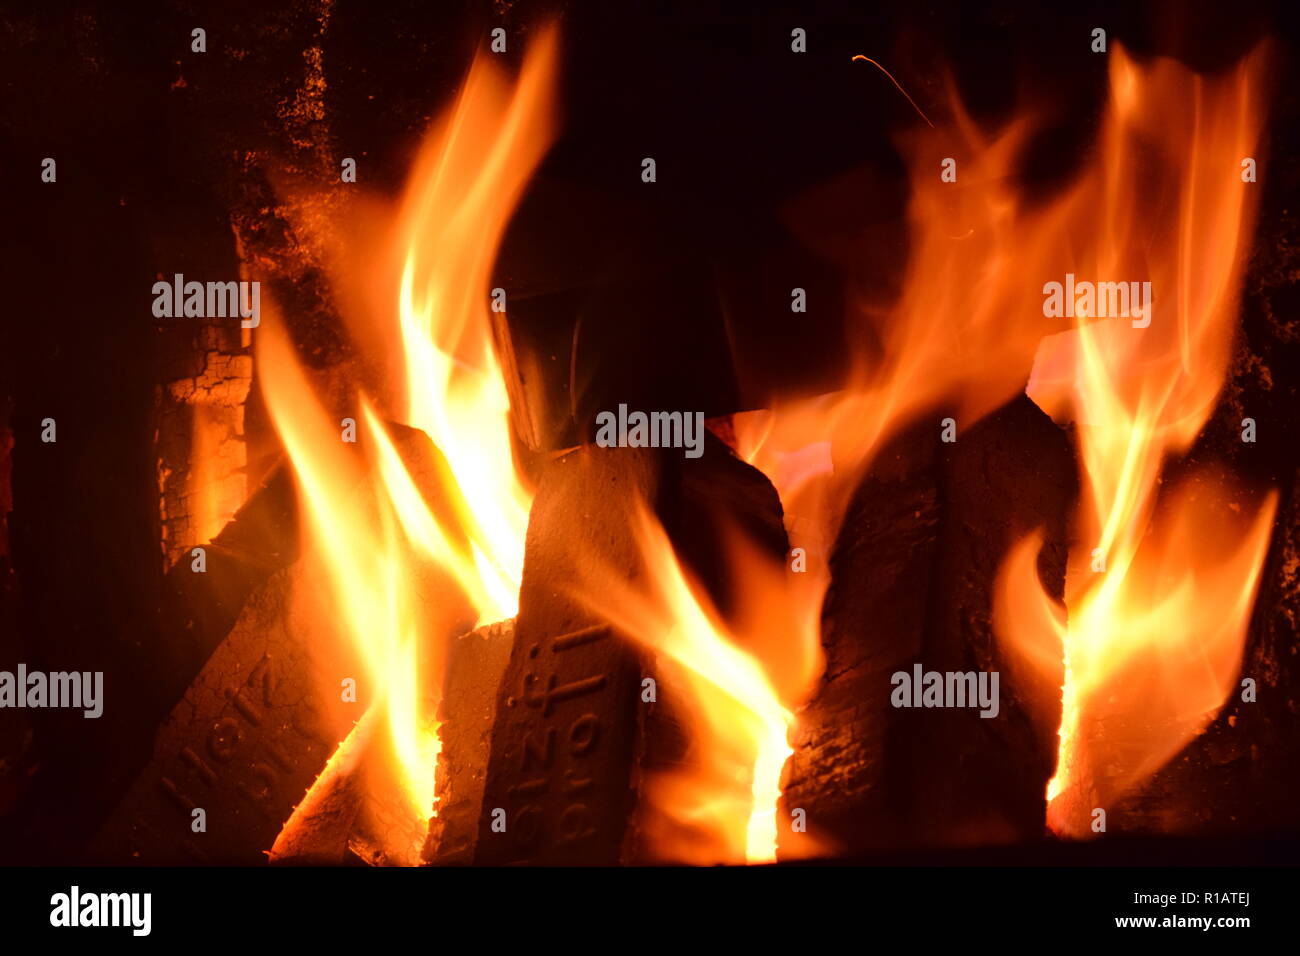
(1161, 579)
(961, 336)
(407, 538)
(740, 680)
(357, 541)
(1153, 643)
(464, 188)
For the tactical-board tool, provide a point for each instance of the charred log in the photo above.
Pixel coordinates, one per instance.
(476, 665)
(912, 576)
(242, 745)
(572, 735)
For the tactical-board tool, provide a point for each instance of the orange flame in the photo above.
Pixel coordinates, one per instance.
(963, 334)
(736, 684)
(402, 551)
(356, 539)
(464, 188)
(1159, 588)
(963, 331)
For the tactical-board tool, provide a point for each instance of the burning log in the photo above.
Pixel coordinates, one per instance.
(572, 736)
(344, 819)
(201, 608)
(200, 440)
(912, 577)
(476, 664)
(319, 831)
(340, 820)
(242, 745)
(254, 683)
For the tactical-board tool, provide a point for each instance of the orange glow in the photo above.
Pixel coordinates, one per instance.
(356, 540)
(463, 189)
(1154, 643)
(217, 483)
(961, 336)
(1160, 583)
(740, 683)
(405, 542)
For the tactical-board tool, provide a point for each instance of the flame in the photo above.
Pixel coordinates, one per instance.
(1156, 640)
(961, 335)
(736, 681)
(403, 548)
(963, 331)
(465, 186)
(358, 541)
(1159, 585)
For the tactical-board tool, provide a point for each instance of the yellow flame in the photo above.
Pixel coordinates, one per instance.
(464, 188)
(734, 683)
(1160, 585)
(375, 522)
(356, 537)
